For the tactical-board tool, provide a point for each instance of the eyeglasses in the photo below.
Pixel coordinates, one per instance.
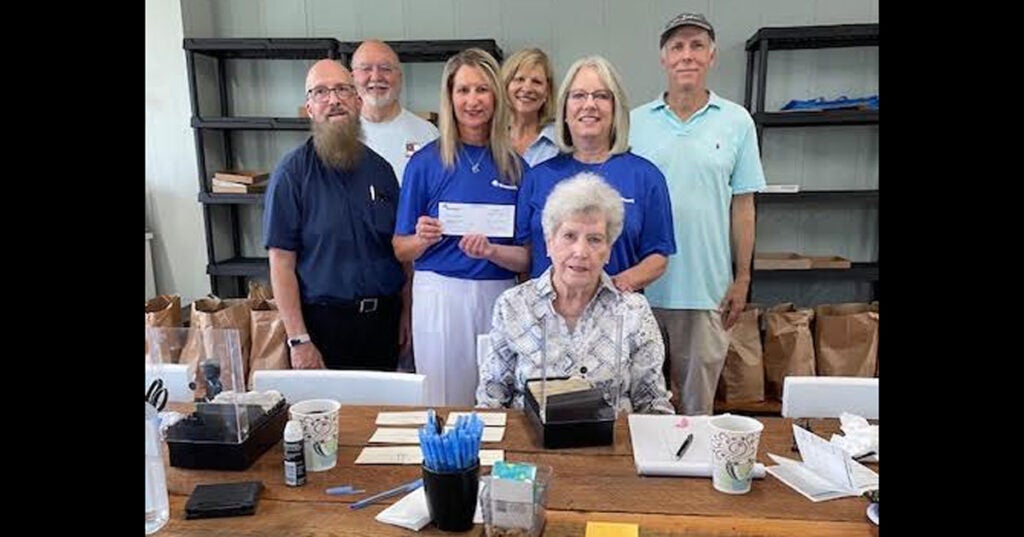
(600, 96)
(321, 94)
(384, 68)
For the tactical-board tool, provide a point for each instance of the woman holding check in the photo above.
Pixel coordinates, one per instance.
(457, 279)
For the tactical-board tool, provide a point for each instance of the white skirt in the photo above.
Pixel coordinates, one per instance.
(447, 315)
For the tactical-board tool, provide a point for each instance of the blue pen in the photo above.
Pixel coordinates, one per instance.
(408, 487)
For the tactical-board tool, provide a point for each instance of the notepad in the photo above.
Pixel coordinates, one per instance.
(827, 471)
(414, 417)
(612, 529)
(656, 439)
(406, 435)
(490, 419)
(413, 455)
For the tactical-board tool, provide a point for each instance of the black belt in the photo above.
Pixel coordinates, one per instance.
(360, 305)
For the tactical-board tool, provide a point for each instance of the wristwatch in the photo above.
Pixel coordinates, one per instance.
(298, 340)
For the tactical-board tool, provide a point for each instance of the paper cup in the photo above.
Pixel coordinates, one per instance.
(733, 445)
(319, 419)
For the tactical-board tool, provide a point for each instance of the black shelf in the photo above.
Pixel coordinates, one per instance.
(429, 50)
(818, 195)
(810, 37)
(252, 123)
(240, 266)
(867, 272)
(816, 119)
(287, 48)
(230, 199)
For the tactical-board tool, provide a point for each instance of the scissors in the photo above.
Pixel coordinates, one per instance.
(156, 395)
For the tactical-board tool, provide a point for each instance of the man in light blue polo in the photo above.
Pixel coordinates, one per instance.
(706, 147)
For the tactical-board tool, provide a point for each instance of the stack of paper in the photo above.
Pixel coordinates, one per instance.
(405, 435)
(413, 455)
(411, 511)
(656, 439)
(826, 473)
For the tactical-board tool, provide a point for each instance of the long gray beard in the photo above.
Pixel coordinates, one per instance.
(338, 144)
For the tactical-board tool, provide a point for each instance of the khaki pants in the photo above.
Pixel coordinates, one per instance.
(695, 346)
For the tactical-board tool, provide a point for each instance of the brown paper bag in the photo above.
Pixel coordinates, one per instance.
(258, 291)
(788, 346)
(216, 313)
(742, 377)
(164, 311)
(846, 339)
(269, 349)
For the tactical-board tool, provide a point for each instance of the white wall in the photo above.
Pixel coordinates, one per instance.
(625, 31)
(172, 212)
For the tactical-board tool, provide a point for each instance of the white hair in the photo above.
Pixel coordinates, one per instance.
(583, 193)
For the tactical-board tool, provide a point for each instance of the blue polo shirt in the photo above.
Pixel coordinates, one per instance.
(341, 236)
(647, 226)
(427, 182)
(707, 159)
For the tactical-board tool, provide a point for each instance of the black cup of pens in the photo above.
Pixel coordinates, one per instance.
(451, 497)
(451, 470)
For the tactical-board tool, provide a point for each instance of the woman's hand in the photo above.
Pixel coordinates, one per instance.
(477, 246)
(428, 229)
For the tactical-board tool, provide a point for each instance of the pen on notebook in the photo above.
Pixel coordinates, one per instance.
(401, 489)
(373, 194)
(863, 456)
(685, 446)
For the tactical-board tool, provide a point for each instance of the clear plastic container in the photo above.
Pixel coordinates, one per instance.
(515, 515)
(157, 507)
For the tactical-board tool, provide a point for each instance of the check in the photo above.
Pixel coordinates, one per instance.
(488, 219)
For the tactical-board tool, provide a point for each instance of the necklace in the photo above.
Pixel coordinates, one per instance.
(475, 166)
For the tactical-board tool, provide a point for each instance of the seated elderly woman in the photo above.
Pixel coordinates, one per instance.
(581, 220)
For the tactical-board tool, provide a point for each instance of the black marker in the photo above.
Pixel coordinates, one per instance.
(686, 444)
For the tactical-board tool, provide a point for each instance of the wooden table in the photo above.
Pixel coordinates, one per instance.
(589, 484)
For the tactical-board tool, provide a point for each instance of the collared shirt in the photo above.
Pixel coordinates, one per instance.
(428, 183)
(339, 224)
(707, 159)
(646, 224)
(398, 139)
(588, 351)
(543, 148)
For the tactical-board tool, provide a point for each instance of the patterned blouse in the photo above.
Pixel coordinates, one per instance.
(520, 317)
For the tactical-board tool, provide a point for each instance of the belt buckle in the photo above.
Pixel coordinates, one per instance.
(368, 305)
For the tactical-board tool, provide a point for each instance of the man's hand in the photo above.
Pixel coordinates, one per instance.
(623, 282)
(734, 301)
(477, 246)
(307, 356)
(404, 331)
(428, 229)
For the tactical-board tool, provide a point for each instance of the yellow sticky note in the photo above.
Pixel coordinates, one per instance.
(612, 529)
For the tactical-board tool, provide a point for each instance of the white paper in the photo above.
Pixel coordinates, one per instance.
(415, 417)
(405, 435)
(413, 455)
(827, 471)
(411, 511)
(395, 435)
(492, 220)
(490, 434)
(656, 438)
(490, 419)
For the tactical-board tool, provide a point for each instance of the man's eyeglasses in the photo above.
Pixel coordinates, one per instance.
(384, 68)
(322, 94)
(580, 96)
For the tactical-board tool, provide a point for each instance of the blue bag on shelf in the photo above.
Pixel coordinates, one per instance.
(840, 103)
